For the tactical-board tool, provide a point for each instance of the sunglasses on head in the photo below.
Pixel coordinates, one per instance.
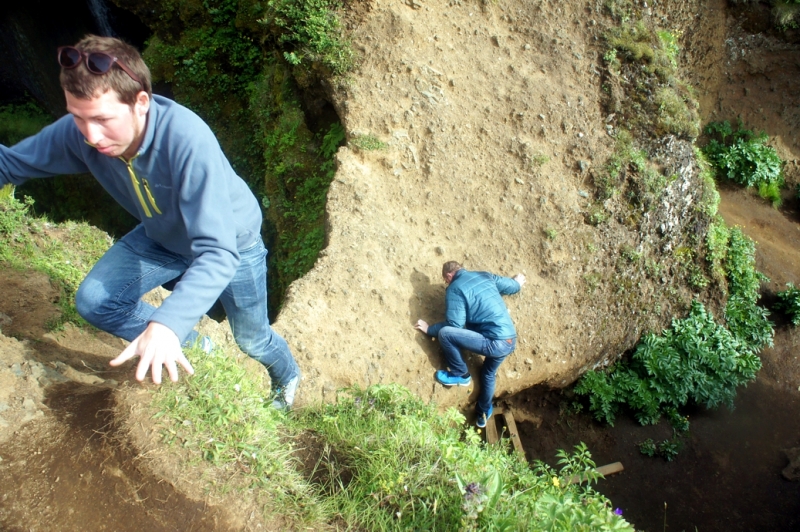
(96, 62)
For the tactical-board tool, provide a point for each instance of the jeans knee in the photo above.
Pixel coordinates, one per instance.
(94, 305)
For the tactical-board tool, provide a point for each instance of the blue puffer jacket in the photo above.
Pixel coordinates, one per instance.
(474, 301)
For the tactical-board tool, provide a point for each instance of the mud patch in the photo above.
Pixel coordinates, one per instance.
(727, 476)
(70, 468)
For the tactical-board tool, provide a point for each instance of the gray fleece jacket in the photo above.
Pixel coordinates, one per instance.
(180, 186)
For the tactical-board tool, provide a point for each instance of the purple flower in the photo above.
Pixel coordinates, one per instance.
(618, 511)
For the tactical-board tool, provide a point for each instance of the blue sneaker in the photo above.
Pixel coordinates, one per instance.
(283, 398)
(206, 344)
(449, 379)
(483, 418)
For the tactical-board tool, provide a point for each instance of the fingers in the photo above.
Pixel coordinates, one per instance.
(147, 359)
(185, 364)
(127, 354)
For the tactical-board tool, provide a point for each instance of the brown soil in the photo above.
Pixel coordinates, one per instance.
(467, 96)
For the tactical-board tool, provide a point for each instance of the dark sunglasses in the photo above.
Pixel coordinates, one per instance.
(96, 62)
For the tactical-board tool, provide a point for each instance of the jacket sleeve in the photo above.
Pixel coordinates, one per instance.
(55, 150)
(506, 285)
(456, 314)
(205, 205)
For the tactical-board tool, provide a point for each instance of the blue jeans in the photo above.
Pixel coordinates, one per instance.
(110, 298)
(453, 340)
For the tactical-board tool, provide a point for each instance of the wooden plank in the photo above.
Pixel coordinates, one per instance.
(491, 430)
(608, 469)
(513, 433)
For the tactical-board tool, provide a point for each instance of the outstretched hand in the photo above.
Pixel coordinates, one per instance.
(422, 326)
(520, 278)
(157, 346)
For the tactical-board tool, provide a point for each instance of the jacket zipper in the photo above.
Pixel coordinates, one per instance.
(138, 189)
(150, 196)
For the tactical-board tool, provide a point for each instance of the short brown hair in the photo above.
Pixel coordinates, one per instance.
(84, 85)
(449, 267)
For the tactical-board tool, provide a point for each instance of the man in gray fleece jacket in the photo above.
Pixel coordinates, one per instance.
(199, 222)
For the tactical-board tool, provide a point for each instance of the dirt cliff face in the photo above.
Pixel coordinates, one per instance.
(493, 118)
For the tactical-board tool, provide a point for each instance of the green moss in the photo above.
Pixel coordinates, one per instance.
(676, 114)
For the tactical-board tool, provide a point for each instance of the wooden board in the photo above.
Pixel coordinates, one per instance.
(491, 428)
(512, 432)
(608, 469)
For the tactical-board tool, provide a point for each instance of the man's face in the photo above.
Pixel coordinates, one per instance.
(114, 128)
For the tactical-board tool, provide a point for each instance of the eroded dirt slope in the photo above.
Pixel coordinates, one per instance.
(471, 97)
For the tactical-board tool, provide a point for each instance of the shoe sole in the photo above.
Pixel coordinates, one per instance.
(450, 385)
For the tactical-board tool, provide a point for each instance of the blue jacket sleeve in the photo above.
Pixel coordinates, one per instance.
(55, 150)
(505, 285)
(456, 315)
(205, 205)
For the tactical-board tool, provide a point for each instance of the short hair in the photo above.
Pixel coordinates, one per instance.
(84, 85)
(450, 267)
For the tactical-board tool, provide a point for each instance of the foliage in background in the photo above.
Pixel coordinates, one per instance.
(368, 142)
(68, 197)
(299, 169)
(209, 63)
(19, 121)
(310, 32)
(631, 164)
(65, 252)
(743, 156)
(745, 318)
(786, 13)
(789, 302)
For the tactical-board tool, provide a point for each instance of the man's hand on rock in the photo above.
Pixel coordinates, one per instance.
(422, 326)
(520, 278)
(157, 346)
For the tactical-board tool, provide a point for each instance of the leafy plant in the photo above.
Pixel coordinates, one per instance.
(696, 360)
(19, 121)
(746, 319)
(745, 158)
(789, 302)
(648, 447)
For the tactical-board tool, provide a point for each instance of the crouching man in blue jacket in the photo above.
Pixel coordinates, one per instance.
(476, 320)
(200, 225)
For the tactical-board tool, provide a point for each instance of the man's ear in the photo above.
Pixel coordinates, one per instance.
(142, 104)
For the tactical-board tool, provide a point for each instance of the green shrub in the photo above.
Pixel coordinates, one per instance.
(19, 121)
(695, 361)
(790, 303)
(402, 457)
(744, 157)
(717, 239)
